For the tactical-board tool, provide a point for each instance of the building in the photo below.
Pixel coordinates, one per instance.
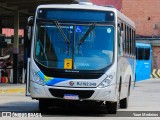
(116, 3)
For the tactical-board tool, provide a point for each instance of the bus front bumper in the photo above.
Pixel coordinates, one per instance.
(51, 92)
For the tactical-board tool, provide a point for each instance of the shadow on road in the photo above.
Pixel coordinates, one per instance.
(67, 110)
(87, 110)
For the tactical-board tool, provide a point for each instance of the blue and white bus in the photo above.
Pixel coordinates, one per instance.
(143, 61)
(81, 52)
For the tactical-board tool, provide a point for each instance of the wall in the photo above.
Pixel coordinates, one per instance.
(116, 3)
(145, 13)
(156, 57)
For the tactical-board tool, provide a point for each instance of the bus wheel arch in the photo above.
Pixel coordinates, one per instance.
(124, 101)
(119, 88)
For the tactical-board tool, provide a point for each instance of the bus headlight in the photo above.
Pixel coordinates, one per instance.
(37, 78)
(107, 81)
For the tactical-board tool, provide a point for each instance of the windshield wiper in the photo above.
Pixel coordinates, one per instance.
(61, 31)
(86, 34)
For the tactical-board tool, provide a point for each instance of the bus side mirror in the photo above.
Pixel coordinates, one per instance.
(30, 21)
(29, 32)
(30, 27)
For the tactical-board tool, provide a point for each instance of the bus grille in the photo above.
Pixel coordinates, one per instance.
(83, 94)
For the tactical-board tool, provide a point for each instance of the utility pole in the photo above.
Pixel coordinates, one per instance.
(16, 47)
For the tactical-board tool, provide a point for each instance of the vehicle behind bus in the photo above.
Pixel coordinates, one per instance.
(143, 61)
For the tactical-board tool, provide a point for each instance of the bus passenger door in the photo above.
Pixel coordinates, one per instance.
(28, 78)
(27, 50)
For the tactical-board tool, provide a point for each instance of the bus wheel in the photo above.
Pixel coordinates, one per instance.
(43, 105)
(112, 107)
(124, 102)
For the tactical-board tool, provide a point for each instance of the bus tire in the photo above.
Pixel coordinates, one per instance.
(124, 103)
(43, 105)
(112, 107)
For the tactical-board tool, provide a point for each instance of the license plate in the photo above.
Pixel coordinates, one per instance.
(71, 97)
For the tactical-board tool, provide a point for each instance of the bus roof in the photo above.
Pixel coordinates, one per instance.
(143, 45)
(91, 7)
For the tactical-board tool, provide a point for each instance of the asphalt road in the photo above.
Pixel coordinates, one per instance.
(145, 100)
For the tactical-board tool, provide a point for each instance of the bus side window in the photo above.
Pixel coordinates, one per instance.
(125, 43)
(119, 38)
(146, 53)
(140, 53)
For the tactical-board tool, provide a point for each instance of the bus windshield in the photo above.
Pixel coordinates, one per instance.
(78, 46)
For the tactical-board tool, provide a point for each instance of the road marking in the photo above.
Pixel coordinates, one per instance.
(12, 90)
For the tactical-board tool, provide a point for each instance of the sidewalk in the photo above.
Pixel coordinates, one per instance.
(12, 88)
